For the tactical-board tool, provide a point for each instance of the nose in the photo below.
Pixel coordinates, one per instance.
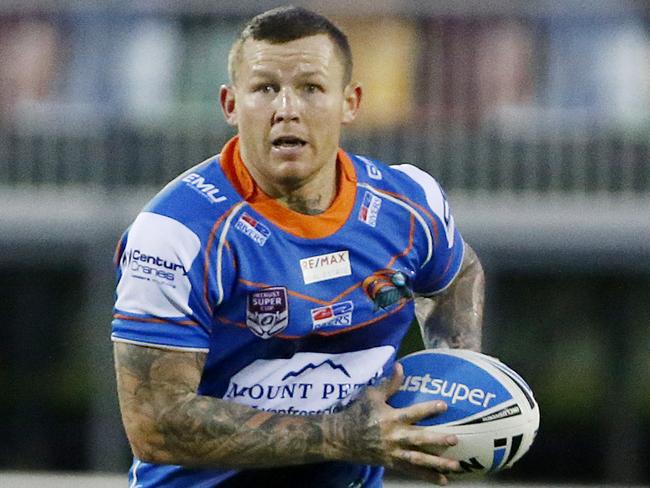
(287, 106)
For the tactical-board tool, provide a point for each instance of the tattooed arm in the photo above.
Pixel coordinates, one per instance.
(454, 317)
(167, 422)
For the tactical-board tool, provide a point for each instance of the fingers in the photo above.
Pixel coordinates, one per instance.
(418, 411)
(430, 461)
(425, 466)
(391, 385)
(396, 379)
(426, 440)
(413, 413)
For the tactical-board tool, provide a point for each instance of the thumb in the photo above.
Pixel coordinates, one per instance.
(390, 386)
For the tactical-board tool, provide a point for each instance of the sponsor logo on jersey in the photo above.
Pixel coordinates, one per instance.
(371, 169)
(334, 366)
(307, 382)
(155, 268)
(387, 287)
(336, 315)
(149, 267)
(267, 311)
(369, 209)
(197, 183)
(325, 267)
(253, 228)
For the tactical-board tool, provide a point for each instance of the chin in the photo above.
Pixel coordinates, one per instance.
(291, 179)
(292, 170)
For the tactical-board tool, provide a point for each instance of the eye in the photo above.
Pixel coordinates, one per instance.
(265, 88)
(313, 88)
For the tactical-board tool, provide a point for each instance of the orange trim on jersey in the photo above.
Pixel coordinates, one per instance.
(232, 254)
(154, 321)
(296, 294)
(410, 244)
(241, 325)
(416, 205)
(349, 290)
(307, 298)
(345, 293)
(300, 225)
(117, 255)
(367, 322)
(208, 248)
(225, 320)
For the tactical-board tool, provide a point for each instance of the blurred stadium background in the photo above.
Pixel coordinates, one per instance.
(535, 117)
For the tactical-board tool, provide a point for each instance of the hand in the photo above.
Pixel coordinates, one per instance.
(372, 432)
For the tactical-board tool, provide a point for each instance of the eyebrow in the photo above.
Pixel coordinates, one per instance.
(308, 74)
(263, 73)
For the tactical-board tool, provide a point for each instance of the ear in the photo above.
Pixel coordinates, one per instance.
(228, 105)
(351, 102)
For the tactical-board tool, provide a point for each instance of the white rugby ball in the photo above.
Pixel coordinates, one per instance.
(491, 409)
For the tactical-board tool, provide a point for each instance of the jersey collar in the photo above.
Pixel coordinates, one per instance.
(300, 225)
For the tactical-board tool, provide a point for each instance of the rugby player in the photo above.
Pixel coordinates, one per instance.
(262, 295)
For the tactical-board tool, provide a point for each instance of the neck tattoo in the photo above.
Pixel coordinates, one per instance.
(307, 206)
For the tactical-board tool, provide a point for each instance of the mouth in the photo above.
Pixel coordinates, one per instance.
(288, 142)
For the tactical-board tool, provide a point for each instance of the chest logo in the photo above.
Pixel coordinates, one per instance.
(267, 311)
(387, 287)
(253, 228)
(197, 183)
(369, 209)
(325, 267)
(371, 169)
(335, 315)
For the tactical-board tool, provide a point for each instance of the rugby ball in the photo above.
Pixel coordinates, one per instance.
(491, 409)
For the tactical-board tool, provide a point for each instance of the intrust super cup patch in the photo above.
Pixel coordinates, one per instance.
(267, 311)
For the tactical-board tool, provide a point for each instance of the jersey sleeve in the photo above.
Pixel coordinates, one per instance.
(160, 286)
(443, 246)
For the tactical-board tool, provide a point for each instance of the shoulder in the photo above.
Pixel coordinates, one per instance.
(406, 182)
(196, 199)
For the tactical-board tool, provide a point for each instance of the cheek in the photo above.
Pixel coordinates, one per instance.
(253, 127)
(327, 117)
(252, 111)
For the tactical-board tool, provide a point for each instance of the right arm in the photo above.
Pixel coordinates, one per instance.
(168, 422)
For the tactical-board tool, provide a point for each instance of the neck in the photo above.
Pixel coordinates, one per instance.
(311, 197)
(308, 205)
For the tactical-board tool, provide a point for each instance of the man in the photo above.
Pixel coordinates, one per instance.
(263, 294)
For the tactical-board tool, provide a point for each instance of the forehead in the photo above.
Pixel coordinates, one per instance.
(308, 54)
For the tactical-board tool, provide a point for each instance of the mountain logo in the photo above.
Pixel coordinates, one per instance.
(312, 366)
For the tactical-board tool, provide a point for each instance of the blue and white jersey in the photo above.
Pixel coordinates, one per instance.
(296, 312)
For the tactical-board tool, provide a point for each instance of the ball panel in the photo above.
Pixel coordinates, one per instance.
(492, 434)
(491, 451)
(514, 376)
(447, 378)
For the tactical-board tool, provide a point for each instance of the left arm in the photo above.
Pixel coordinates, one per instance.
(454, 317)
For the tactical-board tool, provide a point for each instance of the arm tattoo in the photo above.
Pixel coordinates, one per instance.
(454, 317)
(355, 433)
(168, 422)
